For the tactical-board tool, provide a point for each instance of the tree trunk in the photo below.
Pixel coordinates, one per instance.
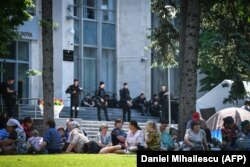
(190, 26)
(47, 40)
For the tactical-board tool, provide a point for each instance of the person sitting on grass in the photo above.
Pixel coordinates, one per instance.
(118, 137)
(196, 117)
(27, 124)
(34, 142)
(230, 133)
(166, 138)
(243, 142)
(78, 142)
(51, 140)
(195, 138)
(152, 137)
(76, 138)
(102, 137)
(16, 141)
(64, 144)
(135, 139)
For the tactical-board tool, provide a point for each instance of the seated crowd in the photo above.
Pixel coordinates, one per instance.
(19, 138)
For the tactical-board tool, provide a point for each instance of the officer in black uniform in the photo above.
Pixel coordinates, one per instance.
(8, 95)
(101, 101)
(74, 91)
(125, 102)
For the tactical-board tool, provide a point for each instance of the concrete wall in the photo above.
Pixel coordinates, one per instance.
(133, 20)
(63, 39)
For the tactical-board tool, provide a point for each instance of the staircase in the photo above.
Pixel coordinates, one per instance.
(92, 127)
(85, 113)
(87, 117)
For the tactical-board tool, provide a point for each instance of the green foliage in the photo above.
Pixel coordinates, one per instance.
(12, 15)
(164, 37)
(65, 160)
(32, 72)
(45, 24)
(225, 45)
(237, 92)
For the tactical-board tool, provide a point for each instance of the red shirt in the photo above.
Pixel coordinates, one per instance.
(27, 130)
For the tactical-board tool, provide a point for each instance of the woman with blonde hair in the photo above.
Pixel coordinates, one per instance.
(152, 138)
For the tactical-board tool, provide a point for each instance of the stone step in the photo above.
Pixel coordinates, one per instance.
(89, 113)
(92, 127)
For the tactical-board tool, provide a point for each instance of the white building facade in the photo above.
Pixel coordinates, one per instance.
(94, 40)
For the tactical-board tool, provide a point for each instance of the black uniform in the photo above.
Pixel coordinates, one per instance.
(141, 104)
(89, 101)
(9, 99)
(124, 98)
(155, 106)
(101, 94)
(164, 105)
(74, 92)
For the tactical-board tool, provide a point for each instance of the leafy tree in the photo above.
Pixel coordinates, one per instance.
(47, 74)
(12, 15)
(225, 45)
(164, 37)
(165, 44)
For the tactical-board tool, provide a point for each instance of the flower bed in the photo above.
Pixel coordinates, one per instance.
(58, 106)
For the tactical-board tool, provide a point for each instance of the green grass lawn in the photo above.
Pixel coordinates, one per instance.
(69, 160)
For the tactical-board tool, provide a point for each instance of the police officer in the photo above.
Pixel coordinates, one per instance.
(163, 95)
(74, 91)
(101, 101)
(125, 102)
(8, 95)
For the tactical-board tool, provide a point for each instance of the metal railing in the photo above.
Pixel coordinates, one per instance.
(30, 107)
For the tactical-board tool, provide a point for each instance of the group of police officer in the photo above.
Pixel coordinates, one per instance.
(125, 102)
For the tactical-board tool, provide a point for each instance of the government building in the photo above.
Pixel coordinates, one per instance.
(93, 40)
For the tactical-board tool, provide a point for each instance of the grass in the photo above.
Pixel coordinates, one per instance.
(68, 160)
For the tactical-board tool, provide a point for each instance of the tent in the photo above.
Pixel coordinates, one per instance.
(214, 98)
(215, 122)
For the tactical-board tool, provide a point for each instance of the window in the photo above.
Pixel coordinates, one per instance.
(108, 69)
(99, 23)
(14, 62)
(76, 28)
(108, 35)
(9, 52)
(76, 2)
(89, 3)
(89, 9)
(90, 69)
(90, 33)
(23, 51)
(23, 81)
(108, 8)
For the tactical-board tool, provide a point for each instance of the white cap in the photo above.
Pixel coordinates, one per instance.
(13, 122)
(74, 124)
